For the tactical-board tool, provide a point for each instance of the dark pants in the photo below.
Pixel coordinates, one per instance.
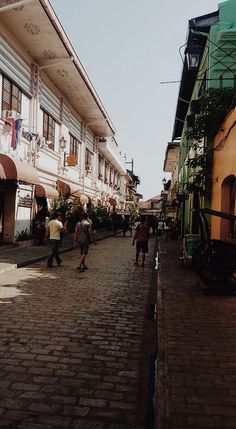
(55, 246)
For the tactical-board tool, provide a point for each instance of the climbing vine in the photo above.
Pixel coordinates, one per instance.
(214, 106)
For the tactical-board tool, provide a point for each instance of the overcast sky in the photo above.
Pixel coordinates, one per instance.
(127, 48)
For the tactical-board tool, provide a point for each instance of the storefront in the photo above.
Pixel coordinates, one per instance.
(17, 191)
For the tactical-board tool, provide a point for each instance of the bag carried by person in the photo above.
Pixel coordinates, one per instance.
(86, 233)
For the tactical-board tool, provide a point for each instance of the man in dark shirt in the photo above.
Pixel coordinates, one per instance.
(83, 235)
(141, 236)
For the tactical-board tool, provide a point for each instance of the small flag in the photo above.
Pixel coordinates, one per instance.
(16, 126)
(18, 123)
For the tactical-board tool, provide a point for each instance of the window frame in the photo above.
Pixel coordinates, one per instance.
(49, 136)
(106, 172)
(74, 147)
(100, 167)
(14, 101)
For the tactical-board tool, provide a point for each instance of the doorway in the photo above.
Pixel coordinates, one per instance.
(228, 205)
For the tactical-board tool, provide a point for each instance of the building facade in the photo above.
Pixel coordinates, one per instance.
(56, 138)
(224, 180)
(205, 98)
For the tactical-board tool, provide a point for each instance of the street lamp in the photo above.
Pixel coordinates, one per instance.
(63, 148)
(164, 183)
(62, 142)
(192, 53)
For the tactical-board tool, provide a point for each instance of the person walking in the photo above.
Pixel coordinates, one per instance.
(141, 236)
(53, 233)
(125, 225)
(83, 236)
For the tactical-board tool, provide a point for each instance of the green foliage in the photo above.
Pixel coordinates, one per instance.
(214, 105)
(199, 161)
(62, 205)
(23, 235)
(100, 217)
(71, 211)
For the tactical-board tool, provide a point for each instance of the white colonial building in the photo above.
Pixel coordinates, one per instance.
(56, 137)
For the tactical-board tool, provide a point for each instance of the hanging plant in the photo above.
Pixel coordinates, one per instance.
(199, 161)
(214, 106)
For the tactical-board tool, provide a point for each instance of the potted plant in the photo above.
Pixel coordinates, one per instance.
(23, 238)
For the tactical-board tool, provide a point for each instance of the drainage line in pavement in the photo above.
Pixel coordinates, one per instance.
(151, 393)
(150, 413)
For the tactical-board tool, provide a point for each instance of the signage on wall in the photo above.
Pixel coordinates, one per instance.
(25, 202)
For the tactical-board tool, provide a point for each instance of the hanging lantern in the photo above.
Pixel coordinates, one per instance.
(192, 52)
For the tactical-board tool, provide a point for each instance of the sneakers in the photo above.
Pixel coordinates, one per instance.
(80, 269)
(50, 266)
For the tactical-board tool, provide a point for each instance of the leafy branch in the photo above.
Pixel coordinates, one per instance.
(214, 106)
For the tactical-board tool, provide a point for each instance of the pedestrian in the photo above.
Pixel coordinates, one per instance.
(124, 225)
(83, 236)
(136, 222)
(93, 231)
(141, 236)
(160, 227)
(53, 233)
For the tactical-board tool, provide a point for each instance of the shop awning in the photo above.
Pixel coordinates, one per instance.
(15, 169)
(43, 190)
(65, 187)
(84, 199)
(76, 194)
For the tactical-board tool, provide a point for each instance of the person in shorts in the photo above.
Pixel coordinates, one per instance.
(83, 236)
(141, 236)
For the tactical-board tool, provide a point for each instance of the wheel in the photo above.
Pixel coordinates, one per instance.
(217, 263)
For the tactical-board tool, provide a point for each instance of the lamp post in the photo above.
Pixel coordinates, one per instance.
(63, 147)
(164, 183)
(163, 197)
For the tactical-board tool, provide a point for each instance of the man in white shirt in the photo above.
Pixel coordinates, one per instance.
(53, 233)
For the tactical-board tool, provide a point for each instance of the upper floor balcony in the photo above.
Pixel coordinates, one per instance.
(109, 149)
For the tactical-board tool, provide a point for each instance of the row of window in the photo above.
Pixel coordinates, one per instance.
(12, 99)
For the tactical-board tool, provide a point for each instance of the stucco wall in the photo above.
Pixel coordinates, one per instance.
(224, 165)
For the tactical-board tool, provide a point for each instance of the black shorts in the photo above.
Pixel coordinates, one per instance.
(84, 247)
(142, 246)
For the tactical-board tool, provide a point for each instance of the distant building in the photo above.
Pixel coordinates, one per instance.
(152, 206)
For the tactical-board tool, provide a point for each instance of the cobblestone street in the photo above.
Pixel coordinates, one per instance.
(75, 347)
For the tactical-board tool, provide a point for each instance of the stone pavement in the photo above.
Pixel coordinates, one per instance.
(12, 257)
(75, 347)
(196, 386)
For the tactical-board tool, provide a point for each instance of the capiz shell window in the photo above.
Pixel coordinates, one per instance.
(74, 144)
(49, 129)
(11, 96)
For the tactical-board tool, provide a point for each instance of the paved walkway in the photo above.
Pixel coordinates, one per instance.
(196, 386)
(75, 347)
(18, 256)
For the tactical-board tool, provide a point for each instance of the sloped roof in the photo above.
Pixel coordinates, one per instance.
(199, 24)
(146, 204)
